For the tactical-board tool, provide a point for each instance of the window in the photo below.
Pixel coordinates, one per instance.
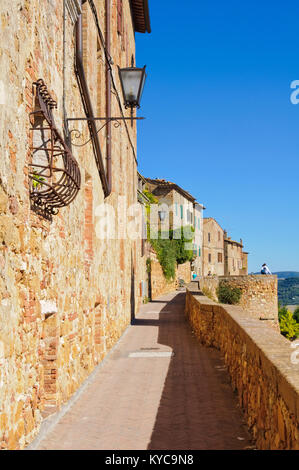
(209, 237)
(176, 208)
(219, 257)
(182, 212)
(210, 258)
(219, 236)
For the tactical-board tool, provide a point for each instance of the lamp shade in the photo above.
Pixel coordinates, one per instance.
(162, 215)
(132, 82)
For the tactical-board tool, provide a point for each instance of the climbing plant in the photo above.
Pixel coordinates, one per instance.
(170, 247)
(172, 251)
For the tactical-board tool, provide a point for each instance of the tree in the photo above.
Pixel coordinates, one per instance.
(296, 314)
(288, 325)
(282, 311)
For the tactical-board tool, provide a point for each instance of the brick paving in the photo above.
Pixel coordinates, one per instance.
(182, 401)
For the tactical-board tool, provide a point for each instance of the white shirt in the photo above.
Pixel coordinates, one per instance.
(266, 269)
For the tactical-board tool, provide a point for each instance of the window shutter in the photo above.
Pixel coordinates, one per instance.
(182, 213)
(199, 251)
(74, 9)
(120, 16)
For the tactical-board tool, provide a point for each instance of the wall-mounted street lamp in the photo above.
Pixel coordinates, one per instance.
(132, 81)
(162, 215)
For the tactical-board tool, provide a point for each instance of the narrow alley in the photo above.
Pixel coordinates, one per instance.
(157, 389)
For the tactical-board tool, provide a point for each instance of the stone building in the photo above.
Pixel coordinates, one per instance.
(178, 208)
(244, 263)
(198, 237)
(234, 257)
(145, 249)
(213, 248)
(222, 256)
(67, 292)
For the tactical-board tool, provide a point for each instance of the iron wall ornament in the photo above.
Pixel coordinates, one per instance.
(115, 120)
(54, 173)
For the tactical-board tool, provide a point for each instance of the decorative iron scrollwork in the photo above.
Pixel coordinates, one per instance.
(78, 134)
(54, 173)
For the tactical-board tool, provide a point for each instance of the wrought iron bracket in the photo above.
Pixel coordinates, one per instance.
(53, 171)
(115, 120)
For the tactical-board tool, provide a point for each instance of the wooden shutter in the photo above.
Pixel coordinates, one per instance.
(120, 16)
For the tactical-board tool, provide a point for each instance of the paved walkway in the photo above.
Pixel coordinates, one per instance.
(158, 389)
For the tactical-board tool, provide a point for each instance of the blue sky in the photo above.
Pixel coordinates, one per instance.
(219, 120)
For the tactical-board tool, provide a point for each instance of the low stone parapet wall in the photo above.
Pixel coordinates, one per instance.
(263, 366)
(259, 293)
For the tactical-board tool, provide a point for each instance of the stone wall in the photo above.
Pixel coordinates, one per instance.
(209, 286)
(259, 293)
(260, 364)
(159, 284)
(66, 296)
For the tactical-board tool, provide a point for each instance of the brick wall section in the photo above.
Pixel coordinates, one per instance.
(259, 363)
(88, 225)
(259, 293)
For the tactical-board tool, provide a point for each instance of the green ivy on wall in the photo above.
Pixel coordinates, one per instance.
(171, 252)
(170, 249)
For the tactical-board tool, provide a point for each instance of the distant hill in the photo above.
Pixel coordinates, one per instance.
(286, 274)
(288, 291)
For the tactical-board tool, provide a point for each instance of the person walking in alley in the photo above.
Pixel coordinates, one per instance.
(265, 269)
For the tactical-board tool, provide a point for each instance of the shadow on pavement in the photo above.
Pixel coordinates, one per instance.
(198, 409)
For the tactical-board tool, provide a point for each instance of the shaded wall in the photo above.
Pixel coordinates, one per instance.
(160, 285)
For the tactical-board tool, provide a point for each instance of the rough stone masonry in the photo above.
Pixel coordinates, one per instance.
(259, 361)
(65, 296)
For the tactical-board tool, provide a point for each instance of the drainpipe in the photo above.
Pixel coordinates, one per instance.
(108, 94)
(88, 106)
